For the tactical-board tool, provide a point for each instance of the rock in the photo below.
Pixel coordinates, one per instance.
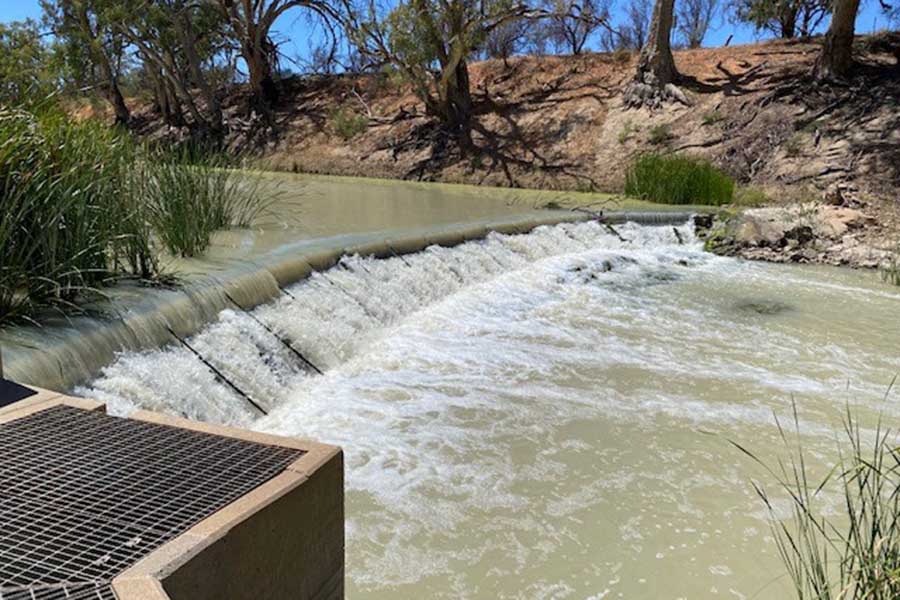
(833, 196)
(801, 233)
(703, 223)
(836, 222)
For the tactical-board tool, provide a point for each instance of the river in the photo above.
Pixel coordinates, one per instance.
(547, 415)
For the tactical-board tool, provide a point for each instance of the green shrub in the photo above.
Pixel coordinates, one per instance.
(348, 123)
(189, 195)
(660, 134)
(628, 130)
(751, 197)
(678, 180)
(711, 118)
(792, 147)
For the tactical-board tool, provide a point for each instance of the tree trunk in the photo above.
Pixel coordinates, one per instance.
(453, 105)
(114, 96)
(264, 92)
(656, 72)
(110, 85)
(788, 24)
(656, 55)
(836, 58)
(188, 42)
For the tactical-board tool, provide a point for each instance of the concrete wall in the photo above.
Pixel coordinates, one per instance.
(282, 541)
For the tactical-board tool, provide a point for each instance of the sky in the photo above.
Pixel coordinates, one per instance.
(293, 30)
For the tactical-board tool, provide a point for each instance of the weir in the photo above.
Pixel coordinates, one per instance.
(69, 351)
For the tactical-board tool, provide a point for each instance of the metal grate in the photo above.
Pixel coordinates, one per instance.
(83, 496)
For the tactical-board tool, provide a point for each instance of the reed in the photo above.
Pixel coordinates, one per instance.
(854, 554)
(67, 225)
(678, 180)
(84, 206)
(190, 194)
(890, 270)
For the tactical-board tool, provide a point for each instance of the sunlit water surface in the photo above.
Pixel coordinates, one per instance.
(548, 415)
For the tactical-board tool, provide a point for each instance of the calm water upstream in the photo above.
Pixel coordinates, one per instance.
(548, 415)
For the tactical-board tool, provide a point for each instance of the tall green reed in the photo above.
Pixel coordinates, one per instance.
(189, 195)
(67, 225)
(678, 180)
(83, 206)
(854, 554)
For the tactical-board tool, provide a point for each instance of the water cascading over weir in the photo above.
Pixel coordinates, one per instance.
(248, 361)
(69, 352)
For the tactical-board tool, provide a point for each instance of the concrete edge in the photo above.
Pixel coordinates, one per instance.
(143, 581)
(43, 400)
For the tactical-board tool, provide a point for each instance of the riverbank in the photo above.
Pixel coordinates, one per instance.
(802, 233)
(316, 221)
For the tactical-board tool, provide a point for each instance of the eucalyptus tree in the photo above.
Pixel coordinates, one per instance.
(656, 73)
(430, 42)
(26, 73)
(94, 50)
(693, 18)
(784, 18)
(835, 61)
(572, 22)
(173, 38)
(249, 24)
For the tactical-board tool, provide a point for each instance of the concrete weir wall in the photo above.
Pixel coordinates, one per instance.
(73, 350)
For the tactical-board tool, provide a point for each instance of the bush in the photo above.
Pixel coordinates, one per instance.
(347, 123)
(711, 118)
(678, 180)
(751, 197)
(628, 130)
(660, 134)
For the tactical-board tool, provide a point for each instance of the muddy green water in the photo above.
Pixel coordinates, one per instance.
(547, 415)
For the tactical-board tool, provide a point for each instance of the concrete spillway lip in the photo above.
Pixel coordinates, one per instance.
(71, 351)
(154, 507)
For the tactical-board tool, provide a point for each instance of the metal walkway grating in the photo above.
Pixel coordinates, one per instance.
(83, 496)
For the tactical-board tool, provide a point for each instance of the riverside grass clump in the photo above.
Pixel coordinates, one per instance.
(678, 180)
(848, 550)
(84, 207)
(189, 194)
(69, 224)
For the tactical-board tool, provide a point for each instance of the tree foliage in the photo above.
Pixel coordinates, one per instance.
(784, 18)
(28, 69)
(430, 42)
(571, 22)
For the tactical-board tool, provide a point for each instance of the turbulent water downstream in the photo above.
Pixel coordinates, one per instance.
(546, 415)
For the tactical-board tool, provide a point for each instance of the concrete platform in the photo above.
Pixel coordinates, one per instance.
(156, 507)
